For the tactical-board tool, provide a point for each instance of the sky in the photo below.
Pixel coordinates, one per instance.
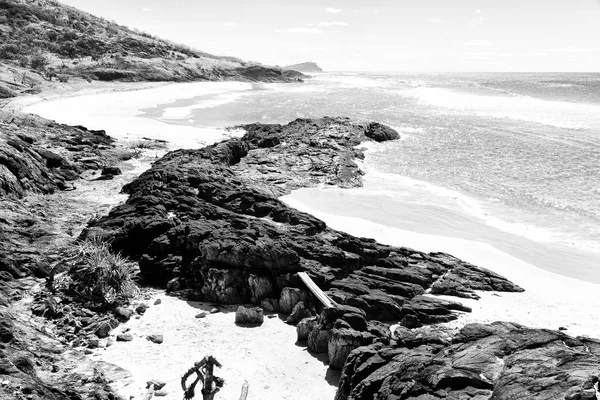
(377, 35)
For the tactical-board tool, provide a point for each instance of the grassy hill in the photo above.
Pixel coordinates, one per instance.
(53, 41)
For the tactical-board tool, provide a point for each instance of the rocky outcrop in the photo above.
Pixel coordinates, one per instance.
(208, 223)
(503, 361)
(39, 157)
(29, 159)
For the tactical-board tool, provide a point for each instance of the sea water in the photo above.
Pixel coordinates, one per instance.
(512, 160)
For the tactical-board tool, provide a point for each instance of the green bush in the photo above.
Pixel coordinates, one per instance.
(101, 276)
(39, 62)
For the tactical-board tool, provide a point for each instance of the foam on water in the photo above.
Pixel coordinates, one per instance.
(555, 113)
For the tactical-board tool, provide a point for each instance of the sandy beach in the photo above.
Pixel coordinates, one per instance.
(265, 356)
(259, 354)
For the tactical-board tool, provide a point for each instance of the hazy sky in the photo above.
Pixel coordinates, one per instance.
(383, 35)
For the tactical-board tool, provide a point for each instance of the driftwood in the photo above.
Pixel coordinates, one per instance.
(244, 393)
(211, 384)
(204, 370)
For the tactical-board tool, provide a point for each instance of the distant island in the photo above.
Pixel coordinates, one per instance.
(304, 67)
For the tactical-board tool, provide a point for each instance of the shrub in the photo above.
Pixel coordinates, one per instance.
(39, 62)
(102, 276)
(9, 51)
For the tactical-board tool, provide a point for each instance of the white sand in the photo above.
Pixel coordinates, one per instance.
(549, 301)
(119, 112)
(265, 356)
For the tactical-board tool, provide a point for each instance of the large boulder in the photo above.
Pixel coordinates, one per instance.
(249, 315)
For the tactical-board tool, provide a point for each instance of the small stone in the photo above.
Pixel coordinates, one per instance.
(111, 171)
(110, 342)
(54, 368)
(124, 337)
(157, 302)
(158, 339)
(141, 308)
(103, 329)
(562, 328)
(215, 310)
(123, 314)
(161, 393)
(93, 343)
(203, 314)
(88, 351)
(158, 384)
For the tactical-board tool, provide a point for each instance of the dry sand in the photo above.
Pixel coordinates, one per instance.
(266, 356)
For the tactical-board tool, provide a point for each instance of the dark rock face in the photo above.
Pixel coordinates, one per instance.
(500, 361)
(27, 165)
(208, 222)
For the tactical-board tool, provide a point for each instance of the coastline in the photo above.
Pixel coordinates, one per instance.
(540, 286)
(549, 301)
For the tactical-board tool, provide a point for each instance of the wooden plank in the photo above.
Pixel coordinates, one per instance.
(312, 286)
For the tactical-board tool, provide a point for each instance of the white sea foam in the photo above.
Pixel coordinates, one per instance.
(353, 81)
(555, 113)
(421, 192)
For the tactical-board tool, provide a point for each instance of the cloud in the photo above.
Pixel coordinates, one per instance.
(229, 23)
(302, 30)
(333, 23)
(333, 10)
(435, 20)
(478, 42)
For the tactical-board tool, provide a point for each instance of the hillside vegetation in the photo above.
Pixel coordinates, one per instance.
(58, 42)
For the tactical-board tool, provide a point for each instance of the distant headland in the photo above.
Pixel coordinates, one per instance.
(304, 67)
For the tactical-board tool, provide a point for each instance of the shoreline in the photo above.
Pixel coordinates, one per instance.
(549, 301)
(157, 359)
(580, 289)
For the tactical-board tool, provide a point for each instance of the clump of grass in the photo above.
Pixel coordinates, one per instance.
(148, 144)
(101, 276)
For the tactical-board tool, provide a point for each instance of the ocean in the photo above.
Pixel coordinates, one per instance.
(511, 160)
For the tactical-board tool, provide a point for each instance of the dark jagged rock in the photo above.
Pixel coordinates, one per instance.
(500, 361)
(210, 220)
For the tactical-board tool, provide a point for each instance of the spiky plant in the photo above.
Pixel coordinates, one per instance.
(103, 276)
